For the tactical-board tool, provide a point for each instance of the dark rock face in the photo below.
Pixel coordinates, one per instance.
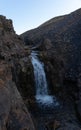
(13, 113)
(25, 77)
(59, 42)
(54, 70)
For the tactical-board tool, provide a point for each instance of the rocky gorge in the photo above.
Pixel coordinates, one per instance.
(58, 45)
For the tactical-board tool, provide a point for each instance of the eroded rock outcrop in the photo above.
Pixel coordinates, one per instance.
(13, 113)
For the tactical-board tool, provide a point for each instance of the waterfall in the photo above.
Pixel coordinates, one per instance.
(42, 95)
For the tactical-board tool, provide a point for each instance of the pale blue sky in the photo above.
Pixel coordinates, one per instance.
(28, 14)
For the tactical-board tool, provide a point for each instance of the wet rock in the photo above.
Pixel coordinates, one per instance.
(54, 70)
(78, 109)
(53, 125)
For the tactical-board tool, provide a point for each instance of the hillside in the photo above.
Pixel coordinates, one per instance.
(59, 44)
(64, 34)
(57, 25)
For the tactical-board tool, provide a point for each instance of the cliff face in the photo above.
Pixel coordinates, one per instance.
(13, 113)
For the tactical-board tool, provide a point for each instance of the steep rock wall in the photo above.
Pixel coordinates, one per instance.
(13, 113)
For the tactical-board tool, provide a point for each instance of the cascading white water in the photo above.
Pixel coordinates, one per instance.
(42, 95)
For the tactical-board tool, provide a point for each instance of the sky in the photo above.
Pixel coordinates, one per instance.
(29, 14)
